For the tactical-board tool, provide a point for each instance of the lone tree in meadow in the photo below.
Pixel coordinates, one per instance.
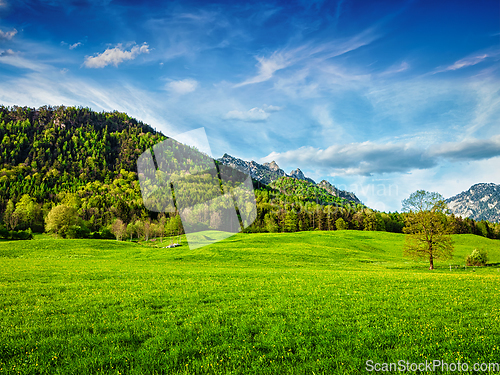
(426, 233)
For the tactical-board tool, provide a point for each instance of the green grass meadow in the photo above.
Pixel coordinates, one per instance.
(298, 303)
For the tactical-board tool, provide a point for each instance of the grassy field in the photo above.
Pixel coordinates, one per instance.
(299, 303)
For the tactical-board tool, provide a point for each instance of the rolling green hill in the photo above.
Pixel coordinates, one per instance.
(309, 302)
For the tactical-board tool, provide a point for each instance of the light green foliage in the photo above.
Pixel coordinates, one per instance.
(426, 229)
(340, 224)
(370, 220)
(139, 229)
(60, 218)
(119, 229)
(70, 199)
(477, 258)
(29, 213)
(131, 230)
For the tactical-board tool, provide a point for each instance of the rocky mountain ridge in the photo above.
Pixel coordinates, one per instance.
(480, 202)
(269, 172)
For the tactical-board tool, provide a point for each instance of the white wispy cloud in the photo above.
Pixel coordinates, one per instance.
(73, 46)
(367, 158)
(271, 108)
(299, 85)
(398, 68)
(115, 56)
(187, 34)
(307, 54)
(267, 67)
(17, 60)
(7, 35)
(473, 59)
(253, 115)
(182, 87)
(486, 111)
(329, 128)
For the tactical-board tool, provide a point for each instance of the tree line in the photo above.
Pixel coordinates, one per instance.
(115, 210)
(85, 162)
(280, 211)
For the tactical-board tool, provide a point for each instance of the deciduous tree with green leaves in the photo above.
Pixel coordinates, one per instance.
(60, 218)
(341, 224)
(427, 235)
(119, 229)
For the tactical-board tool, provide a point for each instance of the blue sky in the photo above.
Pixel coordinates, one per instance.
(380, 98)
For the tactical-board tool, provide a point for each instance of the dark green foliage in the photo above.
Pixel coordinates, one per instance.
(106, 234)
(15, 235)
(21, 235)
(77, 231)
(4, 232)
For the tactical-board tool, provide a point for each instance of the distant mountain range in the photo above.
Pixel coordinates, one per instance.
(480, 202)
(268, 172)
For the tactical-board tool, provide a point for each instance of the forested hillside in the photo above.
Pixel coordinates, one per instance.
(301, 190)
(51, 149)
(73, 156)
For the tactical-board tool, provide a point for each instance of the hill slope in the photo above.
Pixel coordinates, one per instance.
(252, 304)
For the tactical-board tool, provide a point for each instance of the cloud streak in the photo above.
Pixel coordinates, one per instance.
(306, 54)
(368, 158)
(15, 59)
(473, 59)
(182, 87)
(253, 115)
(471, 149)
(75, 45)
(268, 66)
(114, 56)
